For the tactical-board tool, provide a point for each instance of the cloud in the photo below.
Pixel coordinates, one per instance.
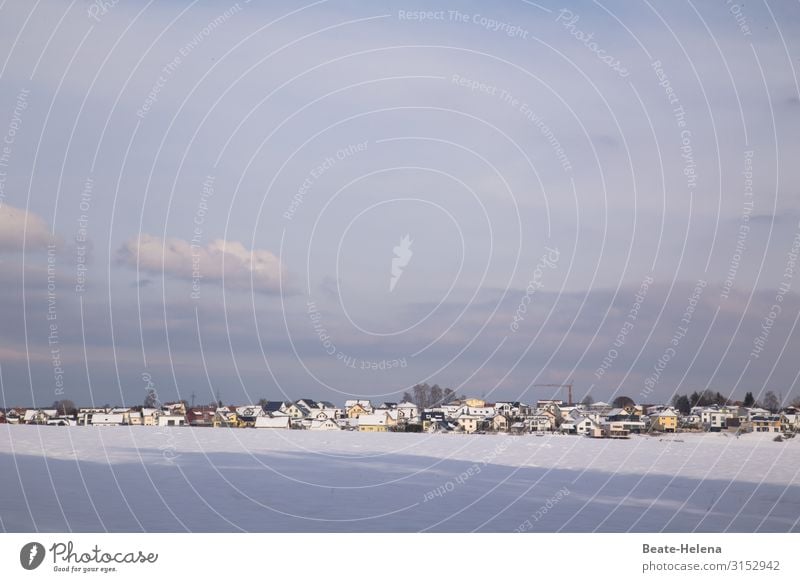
(228, 262)
(18, 227)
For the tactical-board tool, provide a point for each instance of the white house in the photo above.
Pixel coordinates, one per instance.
(582, 425)
(171, 420)
(373, 422)
(107, 420)
(39, 416)
(480, 411)
(62, 421)
(324, 424)
(407, 412)
(539, 422)
(715, 419)
(85, 415)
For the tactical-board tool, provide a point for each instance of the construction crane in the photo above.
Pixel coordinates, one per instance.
(567, 386)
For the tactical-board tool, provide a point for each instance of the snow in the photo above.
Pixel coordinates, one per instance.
(130, 479)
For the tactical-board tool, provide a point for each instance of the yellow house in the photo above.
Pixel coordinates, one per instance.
(474, 402)
(666, 421)
(373, 423)
(356, 410)
(224, 417)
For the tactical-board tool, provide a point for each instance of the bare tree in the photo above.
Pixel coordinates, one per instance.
(65, 407)
(420, 392)
(448, 396)
(771, 402)
(622, 402)
(436, 395)
(151, 400)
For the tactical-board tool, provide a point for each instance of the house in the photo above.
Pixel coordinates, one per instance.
(2, 417)
(771, 423)
(482, 411)
(469, 423)
(225, 416)
(691, 421)
(430, 417)
(582, 425)
(135, 417)
(297, 410)
(715, 418)
(171, 420)
(126, 413)
(629, 417)
(373, 423)
(474, 402)
(108, 419)
(518, 428)
(452, 409)
(551, 407)
(282, 421)
(407, 412)
(38, 416)
(248, 414)
(62, 421)
(273, 406)
(203, 416)
(324, 424)
(149, 416)
(615, 429)
(602, 408)
(437, 426)
(499, 423)
(512, 409)
(355, 408)
(540, 422)
(176, 408)
(85, 415)
(15, 415)
(790, 421)
(665, 421)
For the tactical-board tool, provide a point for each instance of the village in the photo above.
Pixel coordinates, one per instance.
(459, 416)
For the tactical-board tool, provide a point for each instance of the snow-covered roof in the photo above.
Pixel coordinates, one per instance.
(372, 419)
(107, 419)
(272, 422)
(667, 412)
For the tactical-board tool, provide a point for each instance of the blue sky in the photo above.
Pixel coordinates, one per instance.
(245, 173)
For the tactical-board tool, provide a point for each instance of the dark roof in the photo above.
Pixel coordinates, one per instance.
(273, 406)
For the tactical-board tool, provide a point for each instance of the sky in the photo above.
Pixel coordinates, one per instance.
(340, 200)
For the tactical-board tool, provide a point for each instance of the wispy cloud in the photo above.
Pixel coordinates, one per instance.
(226, 262)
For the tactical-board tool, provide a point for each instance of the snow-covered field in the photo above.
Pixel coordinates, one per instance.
(178, 479)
